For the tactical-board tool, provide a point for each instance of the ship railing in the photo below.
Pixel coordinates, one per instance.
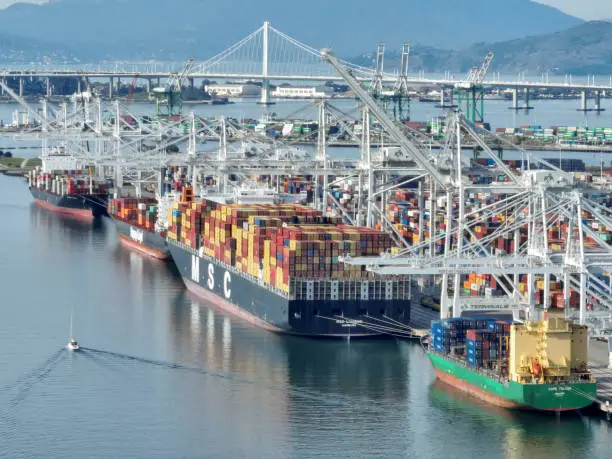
(482, 371)
(573, 378)
(233, 269)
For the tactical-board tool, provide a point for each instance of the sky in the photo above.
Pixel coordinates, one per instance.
(586, 9)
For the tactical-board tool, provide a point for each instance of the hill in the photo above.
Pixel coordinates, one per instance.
(580, 50)
(175, 30)
(25, 51)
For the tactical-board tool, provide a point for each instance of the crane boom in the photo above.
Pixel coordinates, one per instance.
(484, 68)
(176, 80)
(476, 75)
(388, 123)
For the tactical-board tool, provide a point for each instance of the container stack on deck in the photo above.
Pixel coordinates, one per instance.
(67, 182)
(141, 213)
(480, 342)
(276, 242)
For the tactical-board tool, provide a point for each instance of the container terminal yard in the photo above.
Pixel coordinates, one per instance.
(500, 269)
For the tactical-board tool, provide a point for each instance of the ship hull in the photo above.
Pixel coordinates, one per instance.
(85, 206)
(145, 242)
(510, 394)
(250, 299)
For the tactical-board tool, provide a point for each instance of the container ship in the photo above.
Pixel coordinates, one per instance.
(538, 366)
(69, 192)
(136, 220)
(277, 266)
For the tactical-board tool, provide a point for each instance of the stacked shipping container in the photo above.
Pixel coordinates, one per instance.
(141, 213)
(480, 342)
(67, 182)
(276, 242)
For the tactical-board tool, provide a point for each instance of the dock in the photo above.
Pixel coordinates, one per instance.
(599, 366)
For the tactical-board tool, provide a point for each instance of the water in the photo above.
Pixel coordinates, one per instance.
(546, 114)
(162, 375)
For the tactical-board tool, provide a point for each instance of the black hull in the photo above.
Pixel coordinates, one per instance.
(149, 241)
(79, 204)
(248, 298)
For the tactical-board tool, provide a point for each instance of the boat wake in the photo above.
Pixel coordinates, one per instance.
(24, 385)
(324, 398)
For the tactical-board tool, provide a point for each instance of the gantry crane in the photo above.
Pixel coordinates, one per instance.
(169, 97)
(531, 200)
(397, 96)
(472, 90)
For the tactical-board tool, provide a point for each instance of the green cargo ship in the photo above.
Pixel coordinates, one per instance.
(538, 366)
(511, 394)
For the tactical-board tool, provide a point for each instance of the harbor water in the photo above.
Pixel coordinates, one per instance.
(546, 113)
(162, 375)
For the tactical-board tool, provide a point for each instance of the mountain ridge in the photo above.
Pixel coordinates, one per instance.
(584, 49)
(160, 29)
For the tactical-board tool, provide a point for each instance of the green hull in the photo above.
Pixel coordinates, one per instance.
(510, 394)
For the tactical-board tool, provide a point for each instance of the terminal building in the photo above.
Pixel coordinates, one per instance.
(233, 90)
(301, 92)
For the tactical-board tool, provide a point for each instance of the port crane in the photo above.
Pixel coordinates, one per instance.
(169, 99)
(398, 95)
(472, 90)
(534, 200)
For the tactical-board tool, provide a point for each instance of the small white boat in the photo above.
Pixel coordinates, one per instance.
(73, 345)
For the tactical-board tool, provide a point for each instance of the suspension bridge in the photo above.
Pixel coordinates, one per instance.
(268, 54)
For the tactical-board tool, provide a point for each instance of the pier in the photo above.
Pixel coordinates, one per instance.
(601, 369)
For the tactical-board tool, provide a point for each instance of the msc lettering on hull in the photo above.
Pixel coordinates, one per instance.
(227, 277)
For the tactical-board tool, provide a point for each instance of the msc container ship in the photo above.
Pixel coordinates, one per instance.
(277, 266)
(69, 193)
(136, 220)
(538, 366)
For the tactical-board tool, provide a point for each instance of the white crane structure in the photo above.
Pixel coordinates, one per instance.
(531, 201)
(136, 149)
(476, 75)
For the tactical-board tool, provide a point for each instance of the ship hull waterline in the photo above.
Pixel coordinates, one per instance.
(230, 291)
(82, 207)
(512, 395)
(142, 241)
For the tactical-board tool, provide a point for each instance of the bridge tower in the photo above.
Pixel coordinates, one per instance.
(265, 87)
